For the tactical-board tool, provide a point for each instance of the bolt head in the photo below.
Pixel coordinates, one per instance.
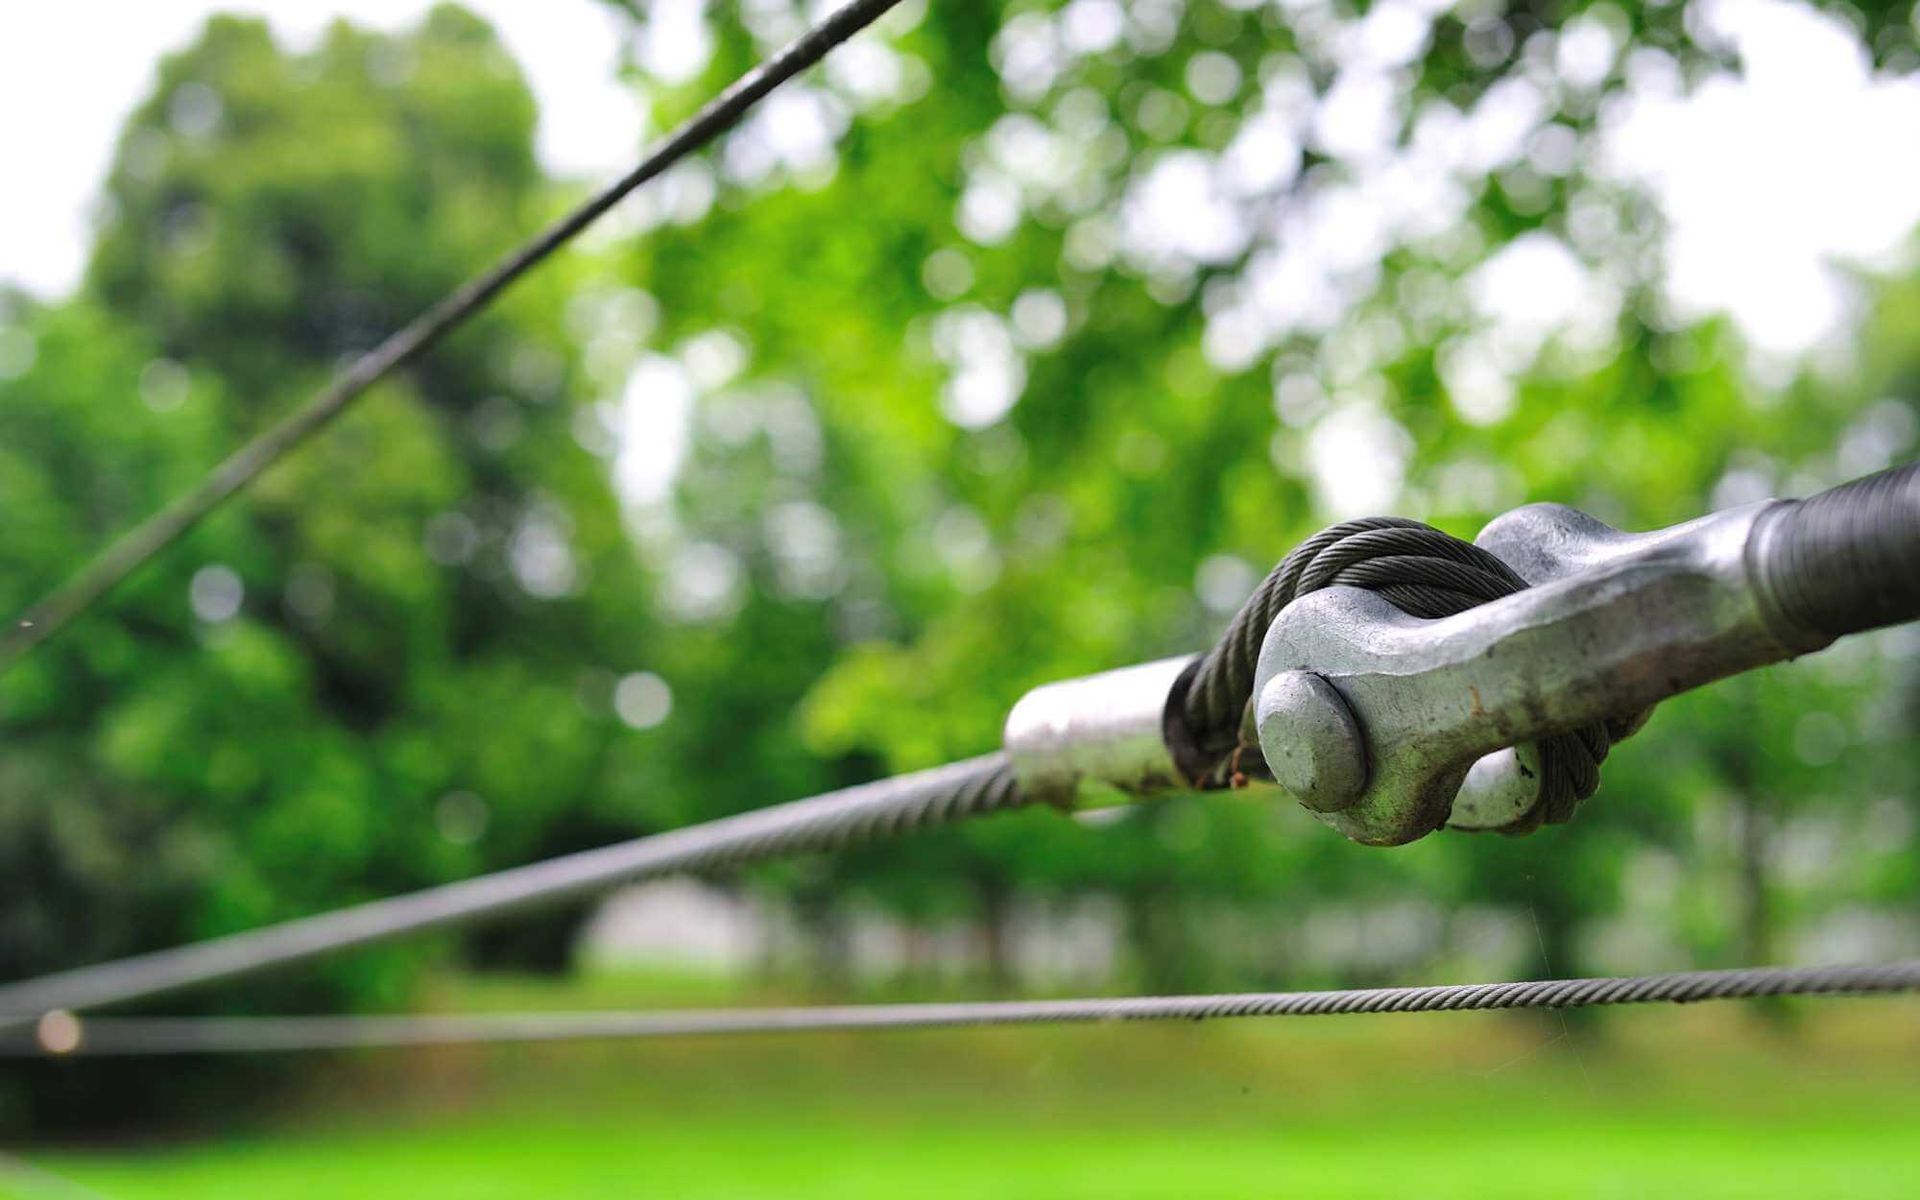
(1311, 741)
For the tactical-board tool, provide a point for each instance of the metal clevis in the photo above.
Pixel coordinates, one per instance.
(1387, 727)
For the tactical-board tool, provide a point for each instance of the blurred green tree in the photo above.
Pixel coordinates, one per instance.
(394, 661)
(1044, 429)
(1012, 345)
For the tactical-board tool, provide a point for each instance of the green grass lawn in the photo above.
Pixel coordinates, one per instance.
(1698, 1103)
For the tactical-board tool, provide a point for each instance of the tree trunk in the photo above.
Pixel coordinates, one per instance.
(829, 947)
(1165, 958)
(1752, 813)
(996, 933)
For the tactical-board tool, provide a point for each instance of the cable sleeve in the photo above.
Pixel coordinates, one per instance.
(1847, 560)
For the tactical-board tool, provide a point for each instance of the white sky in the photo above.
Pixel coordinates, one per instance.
(1774, 177)
(71, 71)
(1776, 180)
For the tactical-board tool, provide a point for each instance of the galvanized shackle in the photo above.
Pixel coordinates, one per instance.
(1387, 726)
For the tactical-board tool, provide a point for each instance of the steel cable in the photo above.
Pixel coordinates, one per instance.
(194, 1035)
(121, 558)
(1421, 571)
(1848, 559)
(904, 803)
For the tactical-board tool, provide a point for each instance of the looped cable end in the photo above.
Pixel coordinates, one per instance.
(1423, 572)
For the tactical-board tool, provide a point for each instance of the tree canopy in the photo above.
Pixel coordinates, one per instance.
(1012, 345)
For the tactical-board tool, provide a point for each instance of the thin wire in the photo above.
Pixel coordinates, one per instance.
(120, 559)
(241, 1035)
(888, 807)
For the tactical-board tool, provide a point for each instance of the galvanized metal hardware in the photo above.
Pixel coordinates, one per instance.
(1387, 726)
(1096, 741)
(1614, 623)
(1318, 752)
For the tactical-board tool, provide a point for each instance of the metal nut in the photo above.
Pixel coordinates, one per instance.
(1311, 741)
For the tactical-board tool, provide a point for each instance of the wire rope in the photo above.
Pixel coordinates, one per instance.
(62, 1033)
(91, 584)
(889, 807)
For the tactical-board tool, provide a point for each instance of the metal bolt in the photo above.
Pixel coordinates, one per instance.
(1311, 741)
(1500, 790)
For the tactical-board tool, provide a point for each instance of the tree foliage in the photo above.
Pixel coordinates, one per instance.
(952, 408)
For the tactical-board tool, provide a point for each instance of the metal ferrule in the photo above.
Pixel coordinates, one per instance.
(1096, 741)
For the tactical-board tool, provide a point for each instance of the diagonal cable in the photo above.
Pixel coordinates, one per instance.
(100, 576)
(888, 807)
(62, 1033)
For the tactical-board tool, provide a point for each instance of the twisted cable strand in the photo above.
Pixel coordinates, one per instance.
(902, 804)
(201, 1035)
(91, 584)
(1421, 571)
(1222, 683)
